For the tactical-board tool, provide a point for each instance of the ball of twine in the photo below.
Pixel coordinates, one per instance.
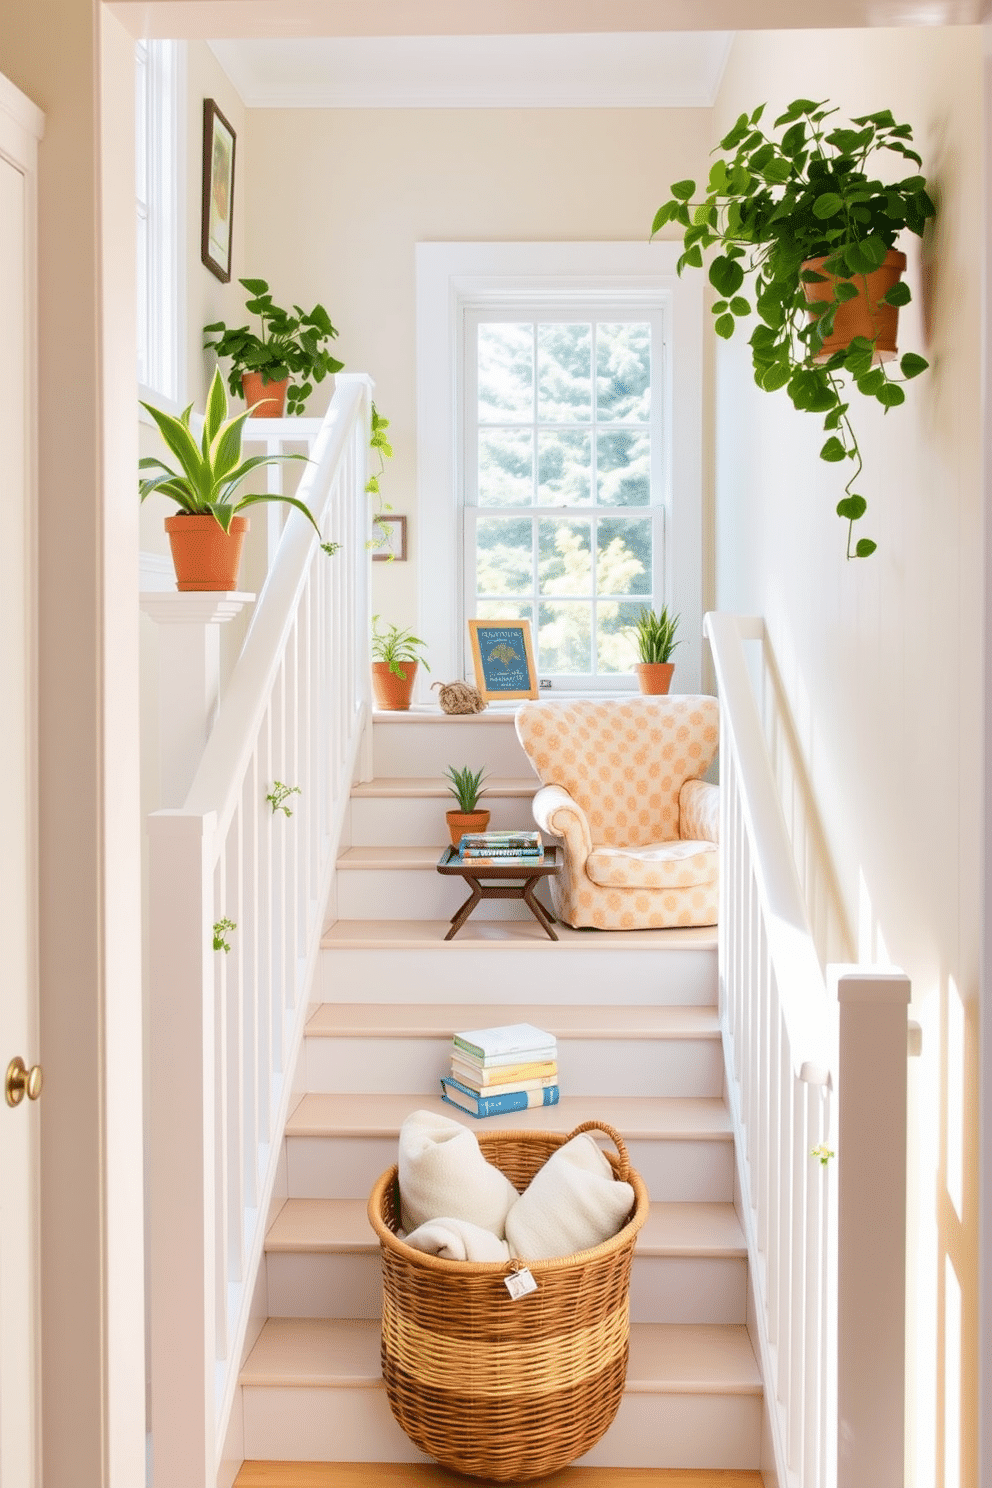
(459, 697)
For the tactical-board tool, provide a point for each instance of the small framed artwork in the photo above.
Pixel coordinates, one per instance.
(504, 659)
(218, 191)
(389, 537)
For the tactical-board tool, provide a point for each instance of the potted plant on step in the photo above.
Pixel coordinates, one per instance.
(207, 534)
(466, 787)
(655, 635)
(395, 657)
(290, 346)
(801, 215)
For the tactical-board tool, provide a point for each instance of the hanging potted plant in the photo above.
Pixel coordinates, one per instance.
(655, 634)
(466, 787)
(395, 656)
(207, 534)
(275, 371)
(801, 215)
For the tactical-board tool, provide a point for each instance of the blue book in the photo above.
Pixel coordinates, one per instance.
(457, 1094)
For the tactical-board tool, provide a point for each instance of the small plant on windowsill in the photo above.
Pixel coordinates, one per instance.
(396, 655)
(655, 635)
(801, 215)
(466, 787)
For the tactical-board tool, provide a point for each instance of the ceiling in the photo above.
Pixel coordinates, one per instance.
(597, 70)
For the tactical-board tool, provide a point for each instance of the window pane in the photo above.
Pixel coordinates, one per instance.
(564, 558)
(564, 638)
(506, 467)
(504, 557)
(615, 643)
(623, 467)
(506, 373)
(564, 373)
(564, 475)
(623, 564)
(504, 609)
(623, 371)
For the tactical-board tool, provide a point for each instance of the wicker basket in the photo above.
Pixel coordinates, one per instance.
(492, 1387)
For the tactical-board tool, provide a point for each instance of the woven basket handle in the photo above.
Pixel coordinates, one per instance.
(623, 1175)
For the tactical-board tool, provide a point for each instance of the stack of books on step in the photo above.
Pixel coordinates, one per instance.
(492, 849)
(495, 1070)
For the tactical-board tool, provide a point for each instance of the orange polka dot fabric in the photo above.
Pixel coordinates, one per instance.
(622, 790)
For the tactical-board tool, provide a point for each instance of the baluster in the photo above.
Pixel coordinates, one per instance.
(217, 991)
(252, 803)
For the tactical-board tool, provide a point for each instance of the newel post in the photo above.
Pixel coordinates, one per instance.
(871, 1227)
(183, 1142)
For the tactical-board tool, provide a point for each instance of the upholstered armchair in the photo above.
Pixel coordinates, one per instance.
(622, 789)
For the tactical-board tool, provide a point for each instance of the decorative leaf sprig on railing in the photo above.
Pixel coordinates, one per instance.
(278, 796)
(770, 206)
(222, 929)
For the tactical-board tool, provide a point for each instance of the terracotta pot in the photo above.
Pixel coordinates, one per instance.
(270, 396)
(655, 677)
(465, 821)
(393, 693)
(863, 316)
(204, 556)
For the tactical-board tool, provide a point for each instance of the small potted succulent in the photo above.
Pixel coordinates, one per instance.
(395, 656)
(466, 787)
(290, 347)
(207, 533)
(655, 635)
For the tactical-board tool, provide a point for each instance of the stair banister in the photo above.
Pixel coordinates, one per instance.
(809, 1067)
(226, 1025)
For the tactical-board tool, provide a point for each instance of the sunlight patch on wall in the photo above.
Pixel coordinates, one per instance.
(952, 1377)
(955, 1077)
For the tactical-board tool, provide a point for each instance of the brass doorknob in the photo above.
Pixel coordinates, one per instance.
(21, 1081)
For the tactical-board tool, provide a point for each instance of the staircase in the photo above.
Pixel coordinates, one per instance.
(639, 1047)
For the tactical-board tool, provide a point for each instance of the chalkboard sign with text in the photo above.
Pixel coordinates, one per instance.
(504, 659)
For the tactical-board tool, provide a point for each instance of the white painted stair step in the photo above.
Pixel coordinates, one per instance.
(313, 1391)
(632, 1050)
(515, 963)
(411, 812)
(425, 742)
(405, 881)
(322, 1260)
(338, 1145)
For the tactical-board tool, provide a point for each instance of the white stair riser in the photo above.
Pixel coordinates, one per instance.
(663, 1289)
(417, 894)
(675, 1170)
(404, 747)
(461, 971)
(683, 1067)
(356, 1425)
(418, 821)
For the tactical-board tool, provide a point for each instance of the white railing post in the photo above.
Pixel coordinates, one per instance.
(871, 1220)
(183, 1149)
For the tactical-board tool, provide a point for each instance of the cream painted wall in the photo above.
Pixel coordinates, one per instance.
(368, 185)
(882, 658)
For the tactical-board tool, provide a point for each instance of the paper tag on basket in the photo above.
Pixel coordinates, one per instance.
(519, 1283)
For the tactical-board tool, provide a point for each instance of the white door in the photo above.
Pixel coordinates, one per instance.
(19, 1107)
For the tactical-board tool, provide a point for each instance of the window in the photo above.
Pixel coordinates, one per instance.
(158, 152)
(559, 451)
(564, 496)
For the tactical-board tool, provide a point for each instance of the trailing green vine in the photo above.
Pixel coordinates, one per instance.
(770, 206)
(380, 445)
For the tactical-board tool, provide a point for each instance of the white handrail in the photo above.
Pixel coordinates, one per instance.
(811, 1069)
(226, 1024)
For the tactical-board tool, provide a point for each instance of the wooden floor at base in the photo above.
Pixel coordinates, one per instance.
(409, 1475)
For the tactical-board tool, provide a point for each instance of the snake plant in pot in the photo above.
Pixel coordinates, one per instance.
(466, 787)
(655, 636)
(207, 533)
(800, 213)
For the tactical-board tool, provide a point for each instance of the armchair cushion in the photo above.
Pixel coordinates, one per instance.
(663, 865)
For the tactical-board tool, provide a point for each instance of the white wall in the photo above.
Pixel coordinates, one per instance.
(881, 658)
(366, 186)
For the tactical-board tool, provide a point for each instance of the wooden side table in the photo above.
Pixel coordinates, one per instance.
(474, 875)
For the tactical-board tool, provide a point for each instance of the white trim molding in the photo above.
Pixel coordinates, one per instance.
(451, 278)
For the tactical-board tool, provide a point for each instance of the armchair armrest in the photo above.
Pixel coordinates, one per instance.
(556, 812)
(699, 812)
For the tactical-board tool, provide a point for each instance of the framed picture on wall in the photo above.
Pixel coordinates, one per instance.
(218, 191)
(504, 659)
(389, 537)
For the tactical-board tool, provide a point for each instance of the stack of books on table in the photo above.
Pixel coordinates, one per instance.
(493, 849)
(495, 1070)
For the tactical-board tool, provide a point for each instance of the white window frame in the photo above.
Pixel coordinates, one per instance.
(454, 278)
(163, 207)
